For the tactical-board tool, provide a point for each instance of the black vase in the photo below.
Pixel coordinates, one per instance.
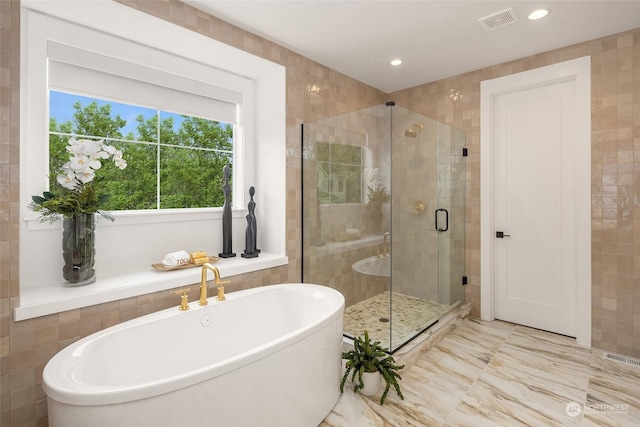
(78, 250)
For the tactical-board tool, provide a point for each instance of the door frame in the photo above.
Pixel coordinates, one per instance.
(578, 70)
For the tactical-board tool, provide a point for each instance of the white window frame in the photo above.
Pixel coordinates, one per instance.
(127, 247)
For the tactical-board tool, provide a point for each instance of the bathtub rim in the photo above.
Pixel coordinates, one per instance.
(58, 384)
(357, 266)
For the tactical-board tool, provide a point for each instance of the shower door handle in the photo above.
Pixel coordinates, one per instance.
(501, 235)
(446, 217)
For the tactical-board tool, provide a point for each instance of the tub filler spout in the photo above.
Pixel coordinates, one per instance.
(219, 283)
(384, 250)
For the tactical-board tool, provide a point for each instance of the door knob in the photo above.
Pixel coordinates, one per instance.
(500, 234)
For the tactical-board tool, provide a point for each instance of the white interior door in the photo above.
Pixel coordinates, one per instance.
(539, 192)
(533, 144)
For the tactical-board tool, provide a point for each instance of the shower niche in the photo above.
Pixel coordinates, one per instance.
(383, 194)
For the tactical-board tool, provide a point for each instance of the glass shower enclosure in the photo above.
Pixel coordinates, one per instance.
(383, 195)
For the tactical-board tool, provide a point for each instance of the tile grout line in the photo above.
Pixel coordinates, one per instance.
(586, 391)
(479, 375)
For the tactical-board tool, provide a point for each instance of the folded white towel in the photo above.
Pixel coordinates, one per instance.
(176, 259)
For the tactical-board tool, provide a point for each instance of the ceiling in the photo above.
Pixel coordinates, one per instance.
(434, 39)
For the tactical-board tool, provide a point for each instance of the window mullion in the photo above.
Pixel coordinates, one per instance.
(158, 146)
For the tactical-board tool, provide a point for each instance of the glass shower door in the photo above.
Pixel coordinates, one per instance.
(428, 208)
(372, 183)
(452, 197)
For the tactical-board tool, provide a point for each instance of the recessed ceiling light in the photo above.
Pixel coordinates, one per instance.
(396, 62)
(537, 14)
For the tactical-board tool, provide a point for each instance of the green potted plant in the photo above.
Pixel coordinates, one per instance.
(77, 198)
(378, 196)
(370, 358)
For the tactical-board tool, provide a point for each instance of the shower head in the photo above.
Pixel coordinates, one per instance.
(414, 130)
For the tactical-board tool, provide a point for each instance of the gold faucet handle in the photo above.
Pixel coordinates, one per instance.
(221, 284)
(184, 299)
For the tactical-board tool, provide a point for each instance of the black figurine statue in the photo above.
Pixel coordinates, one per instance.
(227, 251)
(252, 211)
(251, 235)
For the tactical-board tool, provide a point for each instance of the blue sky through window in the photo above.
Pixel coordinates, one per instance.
(61, 107)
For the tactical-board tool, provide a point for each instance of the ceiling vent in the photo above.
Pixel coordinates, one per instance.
(498, 19)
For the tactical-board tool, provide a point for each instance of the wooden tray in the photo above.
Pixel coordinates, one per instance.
(161, 267)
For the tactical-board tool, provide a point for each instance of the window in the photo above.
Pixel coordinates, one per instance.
(339, 173)
(170, 157)
(68, 47)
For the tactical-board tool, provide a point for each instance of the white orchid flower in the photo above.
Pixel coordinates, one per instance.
(86, 175)
(81, 162)
(72, 144)
(80, 170)
(90, 147)
(68, 181)
(121, 163)
(95, 164)
(77, 162)
(78, 146)
(83, 146)
(101, 155)
(109, 149)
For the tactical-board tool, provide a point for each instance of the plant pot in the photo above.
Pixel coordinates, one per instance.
(78, 250)
(372, 382)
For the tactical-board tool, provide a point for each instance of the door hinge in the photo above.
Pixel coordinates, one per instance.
(464, 280)
(465, 152)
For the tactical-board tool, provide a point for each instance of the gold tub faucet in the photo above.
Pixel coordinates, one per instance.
(204, 287)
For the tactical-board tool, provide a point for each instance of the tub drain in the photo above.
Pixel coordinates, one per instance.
(384, 319)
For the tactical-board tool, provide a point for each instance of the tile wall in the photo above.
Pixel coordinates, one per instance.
(328, 252)
(26, 346)
(615, 179)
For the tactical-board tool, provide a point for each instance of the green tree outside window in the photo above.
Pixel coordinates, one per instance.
(339, 173)
(170, 165)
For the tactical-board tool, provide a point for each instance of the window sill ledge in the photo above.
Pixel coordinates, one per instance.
(42, 301)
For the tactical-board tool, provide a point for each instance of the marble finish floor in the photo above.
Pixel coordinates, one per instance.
(500, 374)
(410, 316)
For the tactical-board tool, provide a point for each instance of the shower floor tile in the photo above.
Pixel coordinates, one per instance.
(410, 316)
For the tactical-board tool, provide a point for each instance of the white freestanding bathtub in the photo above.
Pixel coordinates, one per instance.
(268, 356)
